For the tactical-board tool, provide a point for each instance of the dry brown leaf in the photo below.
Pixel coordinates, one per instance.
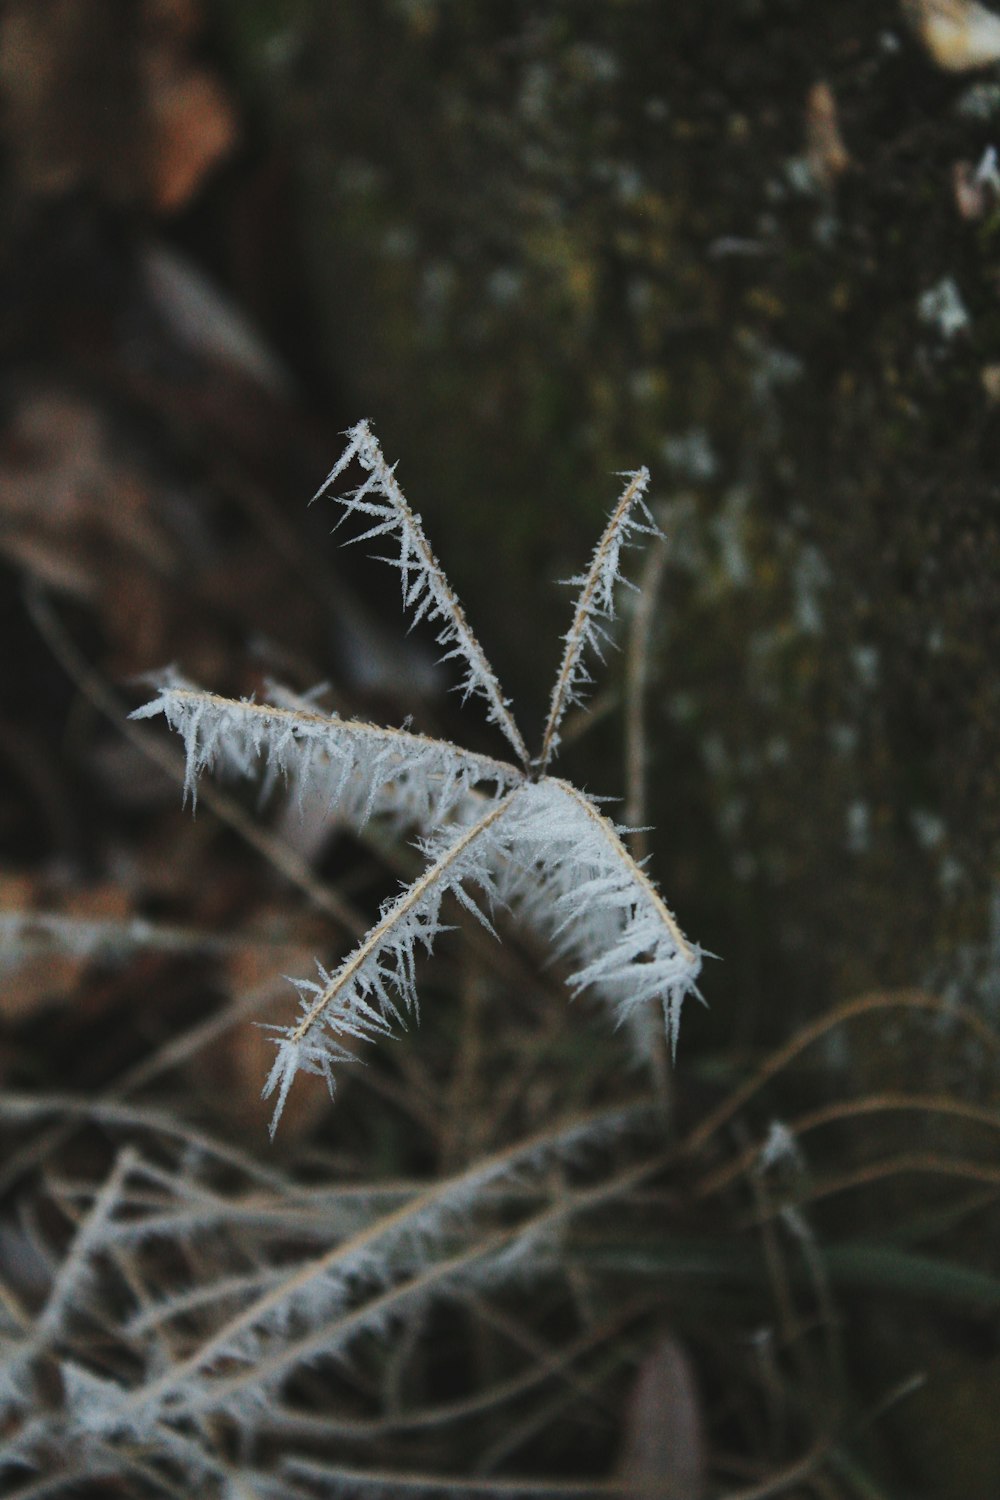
(68, 119)
(194, 128)
(77, 513)
(663, 1456)
(179, 19)
(49, 564)
(54, 460)
(107, 95)
(976, 188)
(959, 35)
(233, 1066)
(826, 153)
(41, 973)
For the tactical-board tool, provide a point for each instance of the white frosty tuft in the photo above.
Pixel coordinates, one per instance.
(426, 590)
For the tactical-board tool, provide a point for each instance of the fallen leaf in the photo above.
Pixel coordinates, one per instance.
(110, 96)
(69, 115)
(959, 35)
(663, 1456)
(826, 154)
(40, 967)
(194, 128)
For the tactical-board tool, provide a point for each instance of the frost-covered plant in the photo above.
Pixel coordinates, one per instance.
(193, 1322)
(495, 833)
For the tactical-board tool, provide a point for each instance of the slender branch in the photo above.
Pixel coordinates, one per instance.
(636, 681)
(847, 1011)
(849, 1109)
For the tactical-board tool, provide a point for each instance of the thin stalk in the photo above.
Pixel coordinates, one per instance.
(586, 605)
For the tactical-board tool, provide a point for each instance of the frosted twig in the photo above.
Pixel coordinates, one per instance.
(426, 590)
(595, 605)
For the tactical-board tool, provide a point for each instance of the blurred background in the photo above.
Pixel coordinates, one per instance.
(754, 246)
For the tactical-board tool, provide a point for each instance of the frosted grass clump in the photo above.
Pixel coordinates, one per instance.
(495, 833)
(194, 1370)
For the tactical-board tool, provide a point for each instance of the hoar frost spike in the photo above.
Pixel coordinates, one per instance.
(493, 832)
